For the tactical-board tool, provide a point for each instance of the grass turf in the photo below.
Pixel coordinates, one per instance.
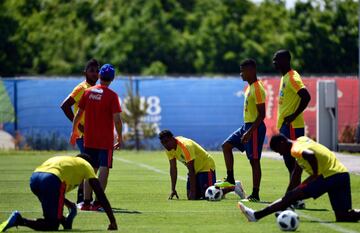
(138, 188)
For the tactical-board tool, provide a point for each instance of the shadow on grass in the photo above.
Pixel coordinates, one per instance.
(319, 210)
(124, 211)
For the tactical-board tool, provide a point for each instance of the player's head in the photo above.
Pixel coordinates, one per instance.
(248, 69)
(280, 144)
(87, 158)
(107, 73)
(91, 71)
(281, 59)
(167, 139)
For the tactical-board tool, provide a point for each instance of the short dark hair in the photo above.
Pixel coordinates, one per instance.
(87, 158)
(165, 134)
(92, 62)
(276, 140)
(248, 62)
(283, 53)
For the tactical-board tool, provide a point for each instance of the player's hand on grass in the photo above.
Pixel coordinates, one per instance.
(246, 137)
(112, 226)
(173, 193)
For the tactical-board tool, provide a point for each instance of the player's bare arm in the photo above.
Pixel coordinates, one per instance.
(295, 177)
(118, 127)
(173, 176)
(304, 101)
(66, 107)
(310, 157)
(192, 179)
(260, 118)
(95, 184)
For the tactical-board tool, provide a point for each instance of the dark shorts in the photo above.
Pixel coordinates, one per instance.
(203, 181)
(338, 188)
(100, 157)
(254, 146)
(80, 145)
(51, 193)
(291, 133)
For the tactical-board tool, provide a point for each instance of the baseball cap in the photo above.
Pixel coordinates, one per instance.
(107, 72)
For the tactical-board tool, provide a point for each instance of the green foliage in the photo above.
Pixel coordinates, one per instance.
(176, 37)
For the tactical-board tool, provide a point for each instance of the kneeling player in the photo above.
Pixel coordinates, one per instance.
(327, 175)
(50, 182)
(200, 164)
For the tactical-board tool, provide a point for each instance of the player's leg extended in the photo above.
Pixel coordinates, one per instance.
(106, 157)
(234, 140)
(281, 204)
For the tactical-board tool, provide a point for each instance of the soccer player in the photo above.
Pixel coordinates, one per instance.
(91, 76)
(250, 137)
(102, 108)
(199, 162)
(327, 175)
(293, 99)
(49, 182)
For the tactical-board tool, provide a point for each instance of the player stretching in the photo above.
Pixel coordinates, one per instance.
(91, 74)
(200, 164)
(293, 99)
(327, 175)
(250, 137)
(102, 109)
(49, 182)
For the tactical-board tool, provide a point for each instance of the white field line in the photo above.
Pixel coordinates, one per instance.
(327, 224)
(151, 168)
(332, 226)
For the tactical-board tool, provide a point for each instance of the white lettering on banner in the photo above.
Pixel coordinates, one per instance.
(95, 96)
(153, 111)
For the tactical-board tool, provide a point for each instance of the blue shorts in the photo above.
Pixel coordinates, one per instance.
(51, 193)
(100, 157)
(80, 144)
(338, 188)
(292, 133)
(203, 181)
(254, 146)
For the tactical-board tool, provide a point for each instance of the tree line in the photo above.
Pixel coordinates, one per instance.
(156, 37)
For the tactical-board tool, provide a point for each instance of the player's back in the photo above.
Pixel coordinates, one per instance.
(99, 103)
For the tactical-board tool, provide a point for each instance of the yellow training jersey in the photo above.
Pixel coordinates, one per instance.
(188, 150)
(76, 94)
(254, 94)
(289, 100)
(70, 170)
(328, 164)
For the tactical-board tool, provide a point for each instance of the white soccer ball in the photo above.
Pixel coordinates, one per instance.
(213, 194)
(288, 220)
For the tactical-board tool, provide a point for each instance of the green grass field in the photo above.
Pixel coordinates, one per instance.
(139, 182)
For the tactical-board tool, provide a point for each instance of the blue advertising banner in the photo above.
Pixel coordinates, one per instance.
(206, 110)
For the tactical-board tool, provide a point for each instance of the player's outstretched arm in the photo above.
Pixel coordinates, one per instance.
(173, 176)
(95, 184)
(192, 179)
(295, 177)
